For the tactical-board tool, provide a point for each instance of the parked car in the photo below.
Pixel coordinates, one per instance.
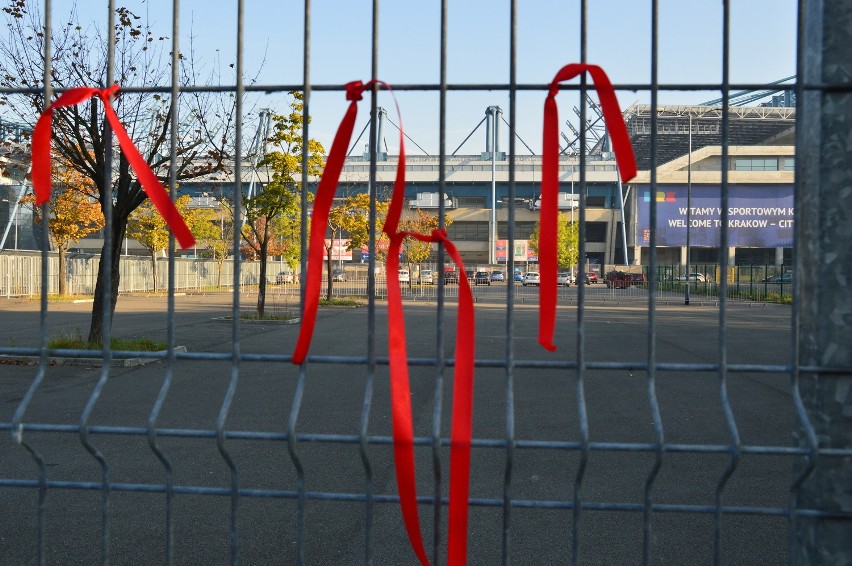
(591, 277)
(404, 276)
(482, 278)
(338, 275)
(518, 276)
(451, 277)
(497, 276)
(623, 279)
(782, 278)
(532, 278)
(284, 277)
(565, 278)
(693, 277)
(426, 277)
(470, 273)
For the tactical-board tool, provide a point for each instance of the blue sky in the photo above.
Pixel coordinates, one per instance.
(763, 42)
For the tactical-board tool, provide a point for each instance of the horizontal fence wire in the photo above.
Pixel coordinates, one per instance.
(577, 449)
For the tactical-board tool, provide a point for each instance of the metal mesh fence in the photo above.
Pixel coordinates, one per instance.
(658, 432)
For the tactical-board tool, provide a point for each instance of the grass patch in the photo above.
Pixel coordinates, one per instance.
(56, 297)
(342, 302)
(125, 344)
(266, 316)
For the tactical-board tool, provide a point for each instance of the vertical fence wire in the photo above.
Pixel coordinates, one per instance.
(651, 382)
(440, 361)
(579, 378)
(16, 422)
(509, 383)
(168, 376)
(730, 420)
(108, 294)
(230, 392)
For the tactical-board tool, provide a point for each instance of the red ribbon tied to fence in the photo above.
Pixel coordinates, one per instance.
(41, 156)
(550, 182)
(402, 420)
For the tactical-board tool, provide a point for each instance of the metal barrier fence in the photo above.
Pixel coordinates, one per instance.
(20, 274)
(650, 437)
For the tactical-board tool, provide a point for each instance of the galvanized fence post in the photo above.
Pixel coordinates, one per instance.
(823, 279)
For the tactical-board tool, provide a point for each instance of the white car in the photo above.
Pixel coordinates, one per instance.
(404, 276)
(565, 278)
(532, 278)
(695, 277)
(426, 277)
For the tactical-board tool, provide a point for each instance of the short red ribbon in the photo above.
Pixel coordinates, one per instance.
(402, 419)
(550, 182)
(41, 153)
(319, 219)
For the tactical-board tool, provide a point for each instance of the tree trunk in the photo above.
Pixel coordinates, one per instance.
(219, 263)
(63, 275)
(154, 268)
(261, 288)
(329, 263)
(97, 327)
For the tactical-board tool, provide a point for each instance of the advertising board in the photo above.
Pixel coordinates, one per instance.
(759, 216)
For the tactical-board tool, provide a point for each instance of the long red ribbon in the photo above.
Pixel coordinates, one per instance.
(550, 182)
(41, 153)
(462, 422)
(402, 419)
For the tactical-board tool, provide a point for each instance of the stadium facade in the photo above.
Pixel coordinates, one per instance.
(688, 161)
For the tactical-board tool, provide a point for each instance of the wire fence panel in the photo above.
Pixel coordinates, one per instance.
(673, 424)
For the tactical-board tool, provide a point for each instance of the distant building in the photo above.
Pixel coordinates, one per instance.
(476, 194)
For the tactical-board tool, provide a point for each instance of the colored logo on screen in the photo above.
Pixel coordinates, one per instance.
(660, 197)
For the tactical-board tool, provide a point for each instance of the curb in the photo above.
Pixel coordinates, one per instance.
(64, 361)
(255, 321)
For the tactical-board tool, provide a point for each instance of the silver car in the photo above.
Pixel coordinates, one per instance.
(565, 278)
(532, 278)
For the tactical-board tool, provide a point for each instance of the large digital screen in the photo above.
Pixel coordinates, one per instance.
(759, 216)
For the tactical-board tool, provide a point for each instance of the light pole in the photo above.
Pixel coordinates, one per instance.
(572, 218)
(688, 209)
(492, 133)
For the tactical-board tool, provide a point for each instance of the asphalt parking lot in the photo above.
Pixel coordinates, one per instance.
(331, 412)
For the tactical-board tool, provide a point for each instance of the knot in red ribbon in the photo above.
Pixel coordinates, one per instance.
(41, 158)
(625, 160)
(355, 90)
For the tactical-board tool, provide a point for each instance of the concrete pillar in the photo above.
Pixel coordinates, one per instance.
(779, 257)
(732, 257)
(683, 258)
(823, 262)
(637, 255)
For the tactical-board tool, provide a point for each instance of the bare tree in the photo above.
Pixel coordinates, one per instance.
(141, 61)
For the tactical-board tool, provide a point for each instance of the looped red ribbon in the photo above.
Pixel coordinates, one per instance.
(41, 153)
(402, 420)
(550, 182)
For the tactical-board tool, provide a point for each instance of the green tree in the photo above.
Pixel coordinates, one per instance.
(218, 243)
(567, 240)
(352, 216)
(74, 214)
(279, 198)
(415, 251)
(146, 226)
(79, 57)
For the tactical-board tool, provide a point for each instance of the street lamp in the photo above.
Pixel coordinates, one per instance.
(688, 211)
